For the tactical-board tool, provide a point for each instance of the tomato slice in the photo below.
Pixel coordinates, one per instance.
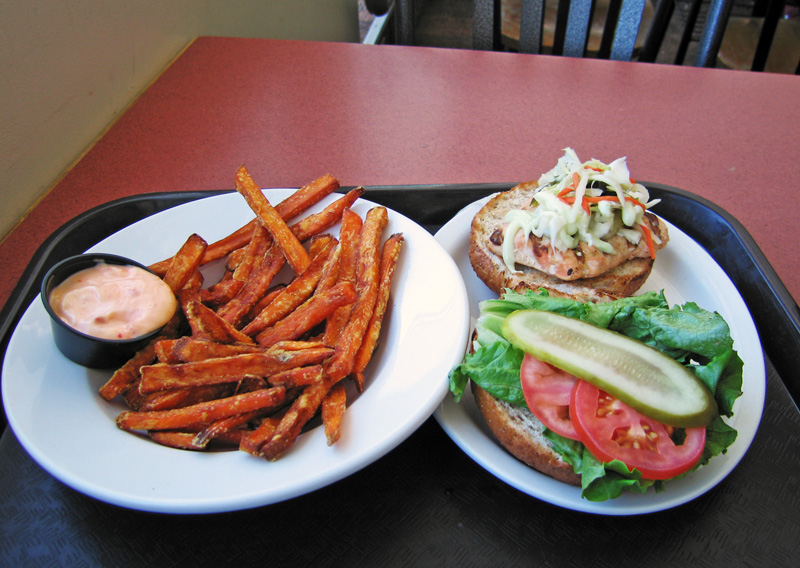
(547, 392)
(611, 429)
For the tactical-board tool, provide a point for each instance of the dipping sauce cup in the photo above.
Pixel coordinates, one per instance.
(84, 349)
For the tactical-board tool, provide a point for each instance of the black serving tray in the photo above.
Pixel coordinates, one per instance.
(426, 502)
(773, 309)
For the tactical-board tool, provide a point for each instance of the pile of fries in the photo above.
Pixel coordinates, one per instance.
(261, 358)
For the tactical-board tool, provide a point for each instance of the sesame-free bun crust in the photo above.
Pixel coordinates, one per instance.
(515, 427)
(621, 281)
(521, 433)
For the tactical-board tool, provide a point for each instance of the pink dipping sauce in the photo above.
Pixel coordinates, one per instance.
(110, 301)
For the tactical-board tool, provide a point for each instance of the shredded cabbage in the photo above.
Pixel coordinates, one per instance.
(562, 218)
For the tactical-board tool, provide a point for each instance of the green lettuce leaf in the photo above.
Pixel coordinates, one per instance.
(697, 338)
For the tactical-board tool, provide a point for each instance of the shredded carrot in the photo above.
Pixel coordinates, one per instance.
(576, 179)
(564, 191)
(614, 198)
(584, 203)
(648, 237)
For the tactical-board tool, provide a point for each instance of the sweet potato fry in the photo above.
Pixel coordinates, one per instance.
(349, 237)
(253, 254)
(216, 250)
(258, 365)
(165, 349)
(248, 384)
(132, 397)
(124, 377)
(235, 258)
(175, 439)
(252, 441)
(178, 398)
(318, 222)
(259, 306)
(219, 428)
(306, 196)
(188, 349)
(341, 363)
(302, 409)
(296, 346)
(186, 440)
(389, 256)
(296, 255)
(161, 377)
(254, 289)
(220, 293)
(238, 307)
(312, 312)
(299, 201)
(318, 242)
(202, 413)
(185, 262)
(333, 407)
(206, 323)
(297, 377)
(294, 294)
(330, 272)
(194, 283)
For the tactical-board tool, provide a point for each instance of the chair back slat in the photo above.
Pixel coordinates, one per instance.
(609, 29)
(714, 29)
(487, 25)
(773, 13)
(579, 21)
(627, 29)
(658, 30)
(573, 22)
(531, 26)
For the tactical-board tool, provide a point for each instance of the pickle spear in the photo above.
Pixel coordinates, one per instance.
(640, 376)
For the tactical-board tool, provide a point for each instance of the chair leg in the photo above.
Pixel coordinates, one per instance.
(686, 37)
(404, 22)
(658, 30)
(773, 13)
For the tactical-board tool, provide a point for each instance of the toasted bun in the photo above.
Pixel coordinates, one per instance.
(622, 281)
(521, 433)
(516, 428)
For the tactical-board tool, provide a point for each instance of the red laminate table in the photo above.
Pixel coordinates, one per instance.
(393, 115)
(399, 116)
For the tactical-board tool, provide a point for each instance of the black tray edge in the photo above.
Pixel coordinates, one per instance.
(773, 309)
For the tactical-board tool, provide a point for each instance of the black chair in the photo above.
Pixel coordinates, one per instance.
(399, 19)
(772, 11)
(572, 27)
(710, 40)
(718, 20)
(618, 40)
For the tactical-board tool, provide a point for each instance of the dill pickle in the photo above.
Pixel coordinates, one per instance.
(640, 376)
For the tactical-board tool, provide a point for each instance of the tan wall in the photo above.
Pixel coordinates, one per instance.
(69, 67)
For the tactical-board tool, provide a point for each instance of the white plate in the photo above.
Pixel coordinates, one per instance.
(53, 407)
(686, 272)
